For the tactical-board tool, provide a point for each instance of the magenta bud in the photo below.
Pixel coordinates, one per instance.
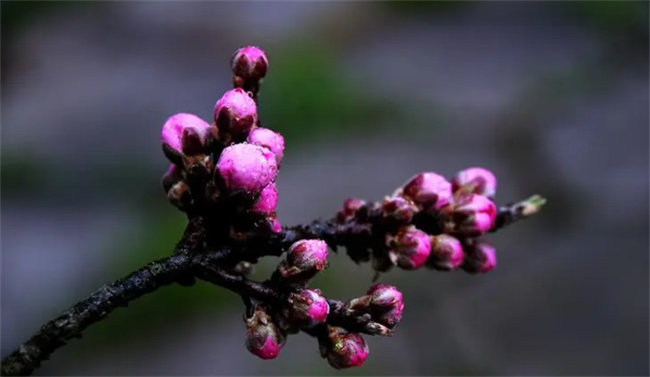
(474, 215)
(308, 255)
(350, 208)
(250, 63)
(480, 258)
(307, 308)
(428, 190)
(399, 209)
(347, 350)
(386, 304)
(186, 133)
(171, 177)
(246, 168)
(266, 202)
(268, 139)
(411, 246)
(446, 253)
(235, 112)
(263, 337)
(475, 180)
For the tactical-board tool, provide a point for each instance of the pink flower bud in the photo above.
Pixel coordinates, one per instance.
(171, 177)
(308, 255)
(347, 350)
(186, 133)
(386, 304)
(246, 168)
(268, 139)
(474, 215)
(399, 209)
(263, 337)
(307, 308)
(475, 180)
(235, 112)
(412, 247)
(250, 63)
(267, 201)
(446, 253)
(350, 208)
(429, 190)
(480, 258)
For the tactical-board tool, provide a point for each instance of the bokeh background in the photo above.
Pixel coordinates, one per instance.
(552, 96)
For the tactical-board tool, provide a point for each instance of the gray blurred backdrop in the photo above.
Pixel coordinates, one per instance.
(553, 97)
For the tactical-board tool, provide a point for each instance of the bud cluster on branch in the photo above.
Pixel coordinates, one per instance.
(222, 175)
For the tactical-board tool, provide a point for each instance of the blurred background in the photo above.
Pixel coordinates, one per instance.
(551, 96)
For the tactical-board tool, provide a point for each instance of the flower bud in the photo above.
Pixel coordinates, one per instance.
(250, 63)
(179, 195)
(246, 168)
(411, 246)
(274, 225)
(399, 209)
(268, 139)
(346, 350)
(480, 258)
(171, 177)
(475, 180)
(307, 308)
(186, 133)
(473, 215)
(263, 337)
(350, 208)
(428, 190)
(266, 202)
(235, 112)
(305, 258)
(446, 253)
(386, 304)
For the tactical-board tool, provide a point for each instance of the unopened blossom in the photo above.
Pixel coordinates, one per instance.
(246, 168)
(475, 180)
(185, 133)
(411, 246)
(473, 215)
(307, 308)
(235, 112)
(347, 350)
(350, 208)
(386, 304)
(172, 176)
(480, 258)
(398, 209)
(250, 63)
(272, 140)
(266, 202)
(429, 190)
(304, 259)
(446, 253)
(264, 339)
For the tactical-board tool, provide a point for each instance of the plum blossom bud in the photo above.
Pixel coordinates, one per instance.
(305, 258)
(399, 209)
(473, 215)
(307, 308)
(446, 253)
(235, 112)
(346, 350)
(263, 337)
(246, 168)
(186, 133)
(171, 177)
(480, 258)
(386, 304)
(411, 247)
(475, 180)
(350, 208)
(429, 190)
(266, 202)
(268, 139)
(274, 225)
(250, 63)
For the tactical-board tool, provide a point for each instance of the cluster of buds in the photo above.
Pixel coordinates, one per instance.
(229, 166)
(224, 174)
(434, 222)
